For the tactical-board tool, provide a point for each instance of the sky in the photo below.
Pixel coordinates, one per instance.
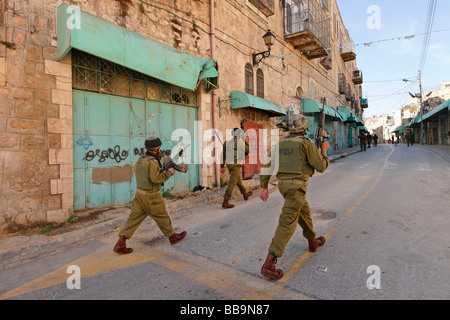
(384, 64)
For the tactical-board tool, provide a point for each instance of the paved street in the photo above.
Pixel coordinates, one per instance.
(386, 210)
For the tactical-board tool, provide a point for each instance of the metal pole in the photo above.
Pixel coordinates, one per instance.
(421, 109)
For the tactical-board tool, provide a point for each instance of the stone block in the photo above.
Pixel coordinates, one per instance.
(9, 141)
(57, 216)
(6, 108)
(66, 141)
(61, 97)
(65, 186)
(67, 200)
(54, 186)
(58, 69)
(25, 126)
(23, 94)
(65, 171)
(56, 125)
(60, 156)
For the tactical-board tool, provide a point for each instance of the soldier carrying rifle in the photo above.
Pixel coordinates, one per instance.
(298, 157)
(148, 201)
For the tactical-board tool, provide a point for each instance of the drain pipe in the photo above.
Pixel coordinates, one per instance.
(214, 98)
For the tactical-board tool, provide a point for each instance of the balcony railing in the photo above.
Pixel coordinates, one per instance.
(357, 77)
(307, 27)
(348, 52)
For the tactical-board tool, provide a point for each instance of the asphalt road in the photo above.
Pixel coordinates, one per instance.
(384, 212)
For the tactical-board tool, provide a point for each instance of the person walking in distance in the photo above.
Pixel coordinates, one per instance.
(148, 200)
(375, 140)
(298, 158)
(362, 140)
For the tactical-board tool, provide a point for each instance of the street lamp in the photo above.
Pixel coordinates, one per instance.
(269, 40)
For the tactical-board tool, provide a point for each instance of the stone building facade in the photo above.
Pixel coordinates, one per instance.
(39, 110)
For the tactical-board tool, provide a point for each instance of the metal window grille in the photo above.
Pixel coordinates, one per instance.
(249, 79)
(259, 83)
(309, 15)
(91, 73)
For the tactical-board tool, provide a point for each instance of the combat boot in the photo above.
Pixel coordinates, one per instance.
(315, 243)
(227, 205)
(268, 269)
(177, 237)
(121, 246)
(247, 195)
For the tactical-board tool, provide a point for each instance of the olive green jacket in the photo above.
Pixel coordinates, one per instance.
(148, 173)
(311, 158)
(240, 150)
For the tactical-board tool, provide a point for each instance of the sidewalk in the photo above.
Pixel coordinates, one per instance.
(96, 223)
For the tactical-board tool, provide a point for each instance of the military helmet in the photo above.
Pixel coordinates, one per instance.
(298, 123)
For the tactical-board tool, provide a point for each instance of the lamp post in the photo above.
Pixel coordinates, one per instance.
(269, 40)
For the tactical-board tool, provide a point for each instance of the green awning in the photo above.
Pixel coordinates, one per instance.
(244, 100)
(311, 106)
(362, 128)
(351, 117)
(414, 121)
(398, 129)
(133, 50)
(359, 122)
(445, 107)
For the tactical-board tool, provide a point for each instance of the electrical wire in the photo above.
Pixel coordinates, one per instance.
(428, 28)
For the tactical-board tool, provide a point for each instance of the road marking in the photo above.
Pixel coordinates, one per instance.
(218, 276)
(301, 261)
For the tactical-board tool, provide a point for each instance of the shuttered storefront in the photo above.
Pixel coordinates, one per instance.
(114, 110)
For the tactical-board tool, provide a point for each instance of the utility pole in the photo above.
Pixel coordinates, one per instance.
(421, 108)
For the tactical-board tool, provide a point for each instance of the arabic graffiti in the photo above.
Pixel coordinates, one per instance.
(115, 154)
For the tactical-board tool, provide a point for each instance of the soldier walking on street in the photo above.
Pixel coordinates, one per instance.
(233, 161)
(375, 140)
(362, 141)
(369, 139)
(148, 200)
(298, 157)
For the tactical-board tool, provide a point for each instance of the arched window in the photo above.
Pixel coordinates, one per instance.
(249, 79)
(260, 83)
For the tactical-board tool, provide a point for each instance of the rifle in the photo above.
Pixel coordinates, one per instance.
(172, 163)
(321, 133)
(284, 124)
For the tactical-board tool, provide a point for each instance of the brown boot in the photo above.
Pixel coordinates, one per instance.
(227, 205)
(315, 243)
(247, 195)
(121, 246)
(177, 237)
(268, 269)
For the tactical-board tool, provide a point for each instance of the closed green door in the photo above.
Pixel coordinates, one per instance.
(108, 138)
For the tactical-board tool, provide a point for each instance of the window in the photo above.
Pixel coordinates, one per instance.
(266, 6)
(249, 79)
(260, 83)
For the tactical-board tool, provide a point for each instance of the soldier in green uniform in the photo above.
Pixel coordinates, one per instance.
(298, 157)
(362, 140)
(233, 159)
(375, 140)
(369, 139)
(148, 200)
